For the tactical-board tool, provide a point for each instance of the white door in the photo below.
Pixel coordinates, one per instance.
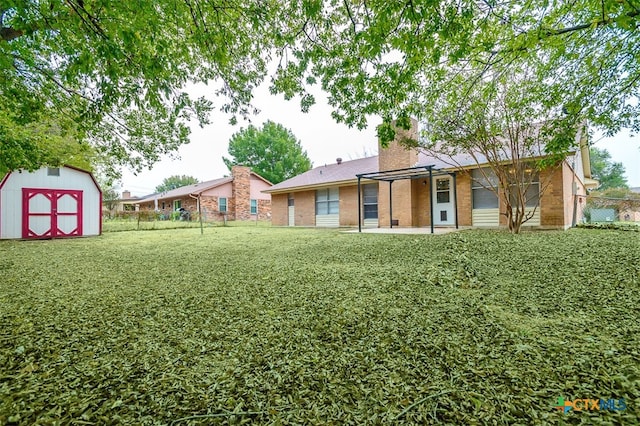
(443, 207)
(292, 218)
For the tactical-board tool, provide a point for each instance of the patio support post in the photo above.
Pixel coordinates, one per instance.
(200, 214)
(390, 205)
(455, 198)
(431, 197)
(359, 207)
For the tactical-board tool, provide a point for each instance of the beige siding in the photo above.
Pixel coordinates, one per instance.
(486, 217)
(535, 220)
(328, 220)
(371, 223)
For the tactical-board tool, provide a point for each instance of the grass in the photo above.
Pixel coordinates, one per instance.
(119, 225)
(298, 326)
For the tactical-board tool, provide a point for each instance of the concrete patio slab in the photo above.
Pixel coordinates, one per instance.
(400, 230)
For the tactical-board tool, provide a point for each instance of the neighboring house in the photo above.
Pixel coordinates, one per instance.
(52, 202)
(126, 203)
(396, 190)
(238, 197)
(632, 214)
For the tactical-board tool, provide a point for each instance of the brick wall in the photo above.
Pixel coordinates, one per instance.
(305, 208)
(552, 200)
(279, 209)
(570, 198)
(211, 209)
(349, 205)
(463, 186)
(420, 207)
(264, 210)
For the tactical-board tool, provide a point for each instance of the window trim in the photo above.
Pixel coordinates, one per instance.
(477, 185)
(365, 204)
(220, 203)
(325, 202)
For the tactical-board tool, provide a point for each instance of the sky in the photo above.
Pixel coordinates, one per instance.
(323, 139)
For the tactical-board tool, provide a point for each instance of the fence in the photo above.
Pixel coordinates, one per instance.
(151, 220)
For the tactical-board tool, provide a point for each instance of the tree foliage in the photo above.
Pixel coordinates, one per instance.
(175, 181)
(494, 130)
(272, 151)
(393, 58)
(111, 76)
(610, 174)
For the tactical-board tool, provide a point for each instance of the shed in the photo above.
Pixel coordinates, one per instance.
(52, 202)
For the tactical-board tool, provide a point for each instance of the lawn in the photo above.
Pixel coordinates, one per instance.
(297, 326)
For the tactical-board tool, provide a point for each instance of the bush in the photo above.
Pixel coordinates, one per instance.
(614, 226)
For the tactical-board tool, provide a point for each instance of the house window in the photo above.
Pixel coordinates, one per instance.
(222, 204)
(290, 200)
(327, 201)
(532, 194)
(128, 207)
(370, 198)
(163, 205)
(177, 204)
(254, 206)
(442, 190)
(481, 183)
(53, 171)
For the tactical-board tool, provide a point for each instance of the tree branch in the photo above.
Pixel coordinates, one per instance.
(9, 33)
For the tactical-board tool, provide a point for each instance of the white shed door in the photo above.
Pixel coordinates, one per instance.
(51, 213)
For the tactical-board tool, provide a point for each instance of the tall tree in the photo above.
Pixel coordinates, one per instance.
(392, 58)
(175, 181)
(504, 130)
(112, 75)
(610, 174)
(272, 151)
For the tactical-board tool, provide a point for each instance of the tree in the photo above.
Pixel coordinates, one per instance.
(273, 152)
(111, 76)
(505, 130)
(609, 174)
(110, 199)
(393, 58)
(175, 181)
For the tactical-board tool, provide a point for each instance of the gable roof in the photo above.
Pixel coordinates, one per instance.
(345, 172)
(336, 174)
(196, 188)
(329, 174)
(78, 169)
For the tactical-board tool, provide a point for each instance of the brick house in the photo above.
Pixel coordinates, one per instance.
(238, 197)
(404, 187)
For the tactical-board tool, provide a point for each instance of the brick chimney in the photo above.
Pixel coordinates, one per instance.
(397, 156)
(126, 195)
(241, 193)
